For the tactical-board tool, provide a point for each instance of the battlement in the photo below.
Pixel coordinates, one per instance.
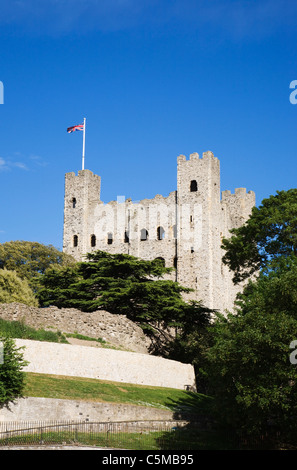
(238, 205)
(194, 157)
(238, 193)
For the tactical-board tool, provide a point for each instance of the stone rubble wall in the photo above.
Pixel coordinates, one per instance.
(115, 329)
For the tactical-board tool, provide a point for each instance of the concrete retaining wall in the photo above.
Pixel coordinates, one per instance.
(51, 409)
(105, 364)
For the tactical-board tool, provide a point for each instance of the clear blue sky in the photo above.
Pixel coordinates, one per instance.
(154, 79)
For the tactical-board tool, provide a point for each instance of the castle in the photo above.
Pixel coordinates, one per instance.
(184, 229)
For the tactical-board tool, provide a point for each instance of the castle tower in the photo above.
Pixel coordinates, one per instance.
(82, 194)
(198, 196)
(203, 220)
(184, 229)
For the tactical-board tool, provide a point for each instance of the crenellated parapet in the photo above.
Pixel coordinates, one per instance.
(238, 205)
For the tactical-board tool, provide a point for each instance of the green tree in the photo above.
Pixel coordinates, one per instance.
(120, 284)
(31, 259)
(15, 289)
(249, 369)
(270, 232)
(12, 377)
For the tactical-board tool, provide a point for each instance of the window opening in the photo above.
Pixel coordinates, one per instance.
(193, 186)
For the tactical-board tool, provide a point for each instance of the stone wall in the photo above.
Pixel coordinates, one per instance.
(52, 409)
(115, 329)
(105, 364)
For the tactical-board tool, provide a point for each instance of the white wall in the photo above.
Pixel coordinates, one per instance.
(105, 364)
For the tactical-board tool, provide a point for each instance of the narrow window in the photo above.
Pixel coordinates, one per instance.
(143, 234)
(93, 240)
(175, 262)
(160, 233)
(75, 240)
(126, 237)
(73, 202)
(109, 238)
(193, 186)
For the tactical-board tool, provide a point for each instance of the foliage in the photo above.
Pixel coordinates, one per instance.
(122, 284)
(249, 369)
(270, 232)
(12, 378)
(15, 289)
(30, 259)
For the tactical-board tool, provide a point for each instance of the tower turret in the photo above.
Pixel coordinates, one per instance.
(82, 194)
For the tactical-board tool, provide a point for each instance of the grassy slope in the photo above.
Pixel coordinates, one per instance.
(77, 388)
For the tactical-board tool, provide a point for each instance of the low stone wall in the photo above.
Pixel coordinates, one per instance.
(51, 409)
(115, 329)
(105, 364)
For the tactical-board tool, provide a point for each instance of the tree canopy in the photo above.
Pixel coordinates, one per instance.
(121, 284)
(15, 289)
(250, 373)
(270, 232)
(31, 259)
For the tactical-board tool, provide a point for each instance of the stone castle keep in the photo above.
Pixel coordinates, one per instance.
(184, 229)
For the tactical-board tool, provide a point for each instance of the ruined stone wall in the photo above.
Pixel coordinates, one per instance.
(117, 330)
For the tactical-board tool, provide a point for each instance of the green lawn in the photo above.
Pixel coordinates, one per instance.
(77, 388)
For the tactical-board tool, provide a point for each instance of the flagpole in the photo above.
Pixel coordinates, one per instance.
(84, 142)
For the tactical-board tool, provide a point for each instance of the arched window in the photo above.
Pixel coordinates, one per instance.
(93, 240)
(160, 233)
(75, 240)
(193, 186)
(73, 202)
(143, 234)
(109, 238)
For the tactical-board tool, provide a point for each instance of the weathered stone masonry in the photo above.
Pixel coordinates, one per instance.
(184, 229)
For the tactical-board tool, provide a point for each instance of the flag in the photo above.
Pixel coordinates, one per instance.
(79, 127)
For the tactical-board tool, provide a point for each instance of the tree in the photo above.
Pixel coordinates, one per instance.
(15, 289)
(31, 259)
(249, 369)
(270, 232)
(12, 379)
(120, 284)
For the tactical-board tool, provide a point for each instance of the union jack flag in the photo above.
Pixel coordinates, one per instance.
(79, 127)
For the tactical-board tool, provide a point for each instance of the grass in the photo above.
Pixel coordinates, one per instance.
(17, 329)
(182, 439)
(85, 338)
(78, 388)
(181, 401)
